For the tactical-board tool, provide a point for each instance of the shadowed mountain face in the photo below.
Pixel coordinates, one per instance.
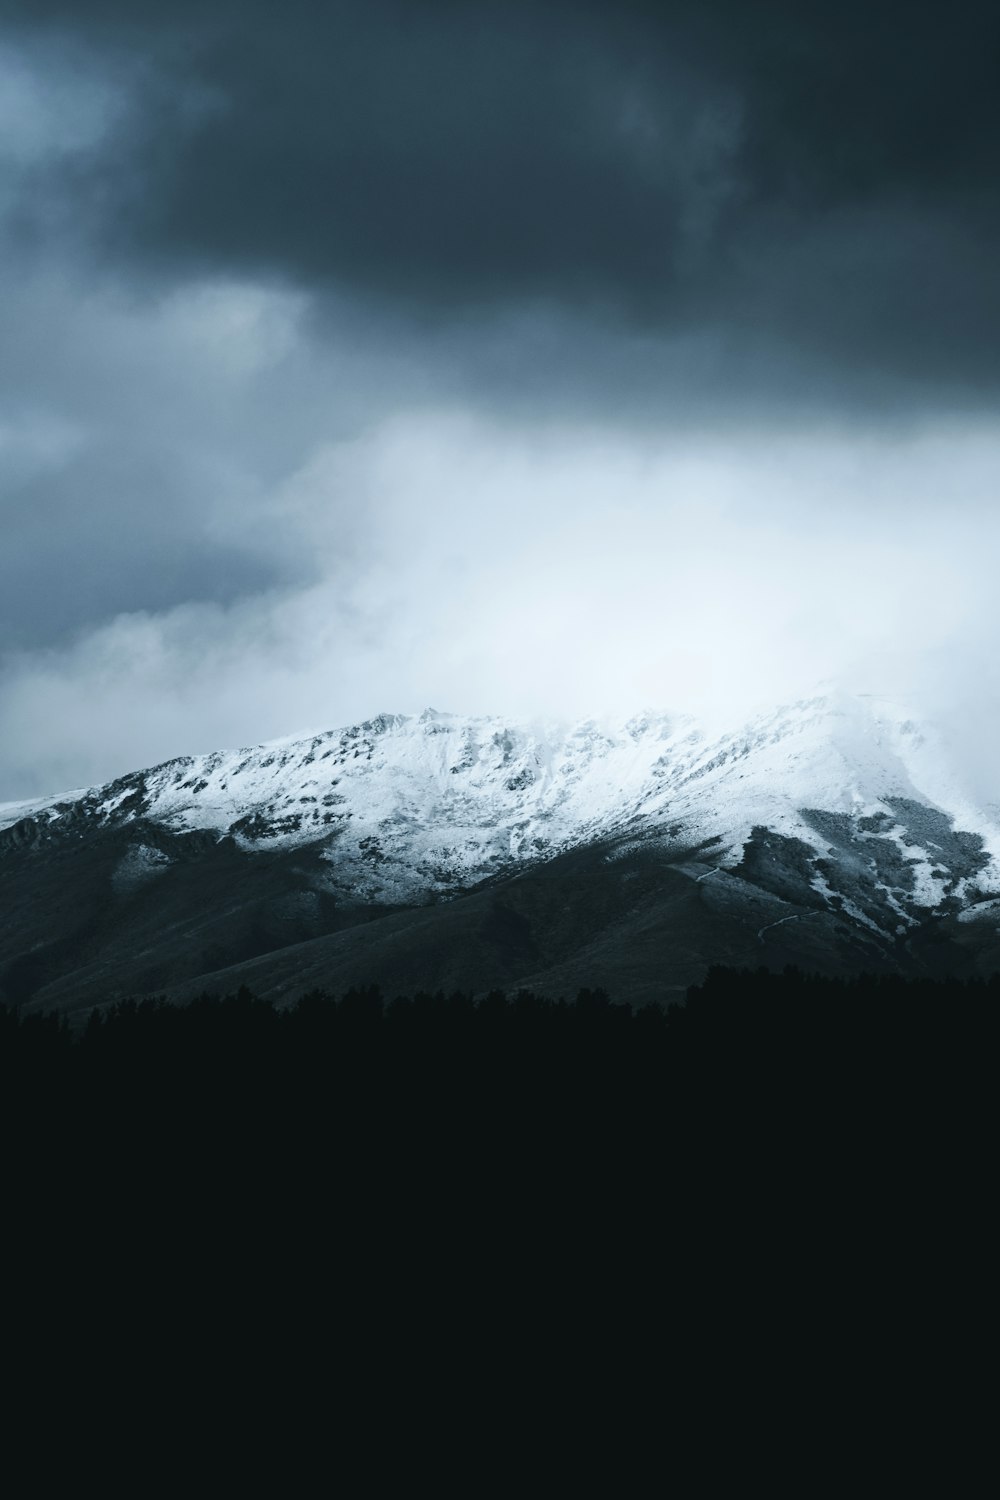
(445, 852)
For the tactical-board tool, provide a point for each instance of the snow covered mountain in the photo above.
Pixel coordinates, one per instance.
(404, 807)
(837, 808)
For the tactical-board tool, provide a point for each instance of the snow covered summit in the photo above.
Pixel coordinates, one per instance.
(847, 790)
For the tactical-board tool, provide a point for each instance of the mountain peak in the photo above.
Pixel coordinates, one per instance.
(404, 806)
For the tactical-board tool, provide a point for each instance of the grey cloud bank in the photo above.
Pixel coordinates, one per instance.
(550, 358)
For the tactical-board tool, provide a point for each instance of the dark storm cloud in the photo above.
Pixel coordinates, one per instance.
(813, 179)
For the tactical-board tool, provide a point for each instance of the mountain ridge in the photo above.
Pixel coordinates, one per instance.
(834, 811)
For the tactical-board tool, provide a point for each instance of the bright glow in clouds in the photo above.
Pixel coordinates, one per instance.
(549, 573)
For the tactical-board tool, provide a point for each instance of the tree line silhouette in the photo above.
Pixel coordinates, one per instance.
(505, 1073)
(350, 1194)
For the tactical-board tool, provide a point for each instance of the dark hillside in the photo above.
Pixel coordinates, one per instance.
(642, 920)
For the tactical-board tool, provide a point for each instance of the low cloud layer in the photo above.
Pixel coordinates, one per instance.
(562, 574)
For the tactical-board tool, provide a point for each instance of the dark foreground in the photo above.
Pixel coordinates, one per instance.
(786, 1183)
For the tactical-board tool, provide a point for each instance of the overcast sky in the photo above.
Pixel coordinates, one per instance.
(532, 357)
